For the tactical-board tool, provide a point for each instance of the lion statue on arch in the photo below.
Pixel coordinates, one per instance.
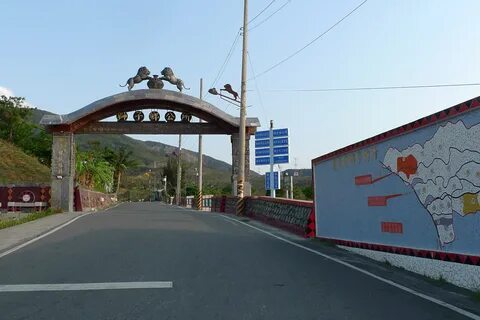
(169, 76)
(142, 74)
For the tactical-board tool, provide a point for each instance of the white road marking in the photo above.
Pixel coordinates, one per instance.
(85, 286)
(3, 254)
(113, 206)
(394, 284)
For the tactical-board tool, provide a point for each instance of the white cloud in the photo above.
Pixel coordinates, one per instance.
(9, 93)
(5, 92)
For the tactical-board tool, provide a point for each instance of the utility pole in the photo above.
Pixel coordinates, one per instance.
(243, 106)
(179, 171)
(200, 160)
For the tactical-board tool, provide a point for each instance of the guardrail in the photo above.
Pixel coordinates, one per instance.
(189, 202)
(295, 216)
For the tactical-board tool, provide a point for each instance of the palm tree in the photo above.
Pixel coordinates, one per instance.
(120, 161)
(93, 172)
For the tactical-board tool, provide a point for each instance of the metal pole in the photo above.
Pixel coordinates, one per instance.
(272, 178)
(179, 171)
(243, 106)
(286, 189)
(291, 187)
(200, 160)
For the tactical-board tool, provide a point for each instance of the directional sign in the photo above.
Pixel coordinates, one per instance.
(276, 146)
(261, 161)
(262, 143)
(262, 152)
(280, 159)
(262, 135)
(280, 132)
(278, 151)
(280, 142)
(276, 180)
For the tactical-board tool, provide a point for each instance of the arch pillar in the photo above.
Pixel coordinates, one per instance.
(63, 171)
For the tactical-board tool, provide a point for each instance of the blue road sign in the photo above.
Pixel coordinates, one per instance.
(262, 135)
(280, 159)
(262, 143)
(262, 160)
(280, 132)
(279, 151)
(262, 152)
(276, 180)
(279, 142)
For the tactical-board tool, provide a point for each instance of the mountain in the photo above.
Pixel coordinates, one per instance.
(18, 167)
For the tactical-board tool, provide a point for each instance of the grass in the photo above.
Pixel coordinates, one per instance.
(476, 296)
(387, 263)
(438, 281)
(18, 167)
(33, 216)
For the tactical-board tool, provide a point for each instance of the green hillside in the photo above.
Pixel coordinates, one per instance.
(16, 167)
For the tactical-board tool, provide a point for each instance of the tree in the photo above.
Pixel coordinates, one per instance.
(17, 128)
(120, 161)
(308, 192)
(93, 171)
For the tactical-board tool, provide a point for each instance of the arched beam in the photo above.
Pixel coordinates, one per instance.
(141, 99)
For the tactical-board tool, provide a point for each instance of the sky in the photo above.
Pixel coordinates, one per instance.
(63, 55)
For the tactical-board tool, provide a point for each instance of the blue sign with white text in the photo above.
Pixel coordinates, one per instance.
(262, 160)
(262, 143)
(276, 181)
(280, 132)
(262, 135)
(262, 152)
(277, 151)
(280, 142)
(280, 159)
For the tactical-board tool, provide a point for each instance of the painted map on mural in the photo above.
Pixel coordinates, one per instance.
(444, 173)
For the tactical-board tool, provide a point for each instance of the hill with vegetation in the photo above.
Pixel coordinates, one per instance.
(17, 167)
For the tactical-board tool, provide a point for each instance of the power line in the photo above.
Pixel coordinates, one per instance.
(379, 88)
(227, 59)
(311, 42)
(267, 18)
(256, 86)
(271, 2)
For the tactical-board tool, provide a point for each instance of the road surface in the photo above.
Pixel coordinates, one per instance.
(204, 266)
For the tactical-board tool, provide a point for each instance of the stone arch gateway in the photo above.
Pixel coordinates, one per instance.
(89, 120)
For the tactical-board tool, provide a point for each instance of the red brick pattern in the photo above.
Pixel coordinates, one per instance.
(392, 227)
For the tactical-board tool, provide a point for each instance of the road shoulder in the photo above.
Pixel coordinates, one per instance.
(22, 233)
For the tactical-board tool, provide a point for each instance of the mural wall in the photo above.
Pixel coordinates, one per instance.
(417, 186)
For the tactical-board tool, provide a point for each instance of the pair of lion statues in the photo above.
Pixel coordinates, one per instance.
(167, 74)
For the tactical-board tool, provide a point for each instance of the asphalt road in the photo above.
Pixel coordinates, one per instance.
(220, 269)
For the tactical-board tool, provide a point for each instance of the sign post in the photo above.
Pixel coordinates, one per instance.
(271, 147)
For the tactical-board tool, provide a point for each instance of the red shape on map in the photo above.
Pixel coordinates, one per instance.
(407, 165)
(368, 179)
(381, 201)
(392, 227)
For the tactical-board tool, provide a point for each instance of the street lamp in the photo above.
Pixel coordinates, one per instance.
(227, 88)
